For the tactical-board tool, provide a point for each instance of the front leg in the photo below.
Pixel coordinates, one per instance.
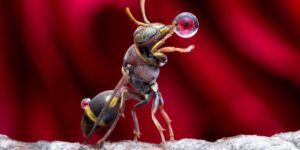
(176, 49)
(162, 41)
(162, 58)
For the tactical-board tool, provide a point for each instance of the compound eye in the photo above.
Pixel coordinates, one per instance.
(186, 25)
(85, 102)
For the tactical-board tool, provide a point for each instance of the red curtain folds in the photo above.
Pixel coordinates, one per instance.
(242, 78)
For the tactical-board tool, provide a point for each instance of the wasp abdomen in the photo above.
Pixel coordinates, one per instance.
(93, 109)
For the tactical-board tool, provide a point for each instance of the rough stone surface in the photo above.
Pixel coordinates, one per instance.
(282, 141)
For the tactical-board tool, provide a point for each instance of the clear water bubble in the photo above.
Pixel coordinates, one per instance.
(85, 102)
(186, 25)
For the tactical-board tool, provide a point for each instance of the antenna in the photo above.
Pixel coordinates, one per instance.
(133, 19)
(143, 12)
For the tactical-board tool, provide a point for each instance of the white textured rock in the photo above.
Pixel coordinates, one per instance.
(282, 141)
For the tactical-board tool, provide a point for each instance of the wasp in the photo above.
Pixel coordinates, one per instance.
(140, 70)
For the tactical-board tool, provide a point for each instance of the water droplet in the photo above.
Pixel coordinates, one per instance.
(186, 25)
(85, 102)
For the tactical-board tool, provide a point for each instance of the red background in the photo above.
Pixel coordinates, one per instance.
(242, 78)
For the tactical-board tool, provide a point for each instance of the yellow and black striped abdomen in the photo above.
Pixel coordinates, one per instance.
(95, 107)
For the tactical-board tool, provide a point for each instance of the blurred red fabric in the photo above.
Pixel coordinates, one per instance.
(243, 77)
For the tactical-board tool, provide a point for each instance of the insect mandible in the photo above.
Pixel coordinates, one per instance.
(140, 70)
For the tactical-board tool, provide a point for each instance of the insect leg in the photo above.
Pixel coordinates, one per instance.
(141, 103)
(157, 124)
(162, 41)
(165, 115)
(173, 49)
(161, 57)
(168, 121)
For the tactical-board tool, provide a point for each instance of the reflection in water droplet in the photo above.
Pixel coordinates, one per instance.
(186, 25)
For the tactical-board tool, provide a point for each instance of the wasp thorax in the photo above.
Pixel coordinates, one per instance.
(186, 25)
